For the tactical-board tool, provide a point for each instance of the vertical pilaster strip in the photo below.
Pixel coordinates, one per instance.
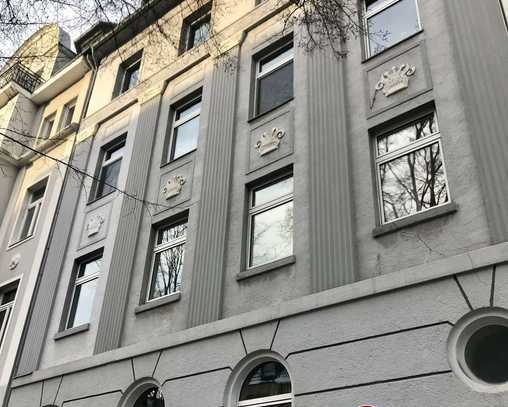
(481, 51)
(110, 325)
(331, 212)
(206, 290)
(51, 268)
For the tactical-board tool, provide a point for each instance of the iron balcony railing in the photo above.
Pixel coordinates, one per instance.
(22, 76)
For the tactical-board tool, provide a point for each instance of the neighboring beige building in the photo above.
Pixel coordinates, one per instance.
(279, 227)
(41, 100)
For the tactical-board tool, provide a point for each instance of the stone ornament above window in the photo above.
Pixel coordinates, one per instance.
(173, 186)
(14, 261)
(396, 79)
(268, 143)
(94, 225)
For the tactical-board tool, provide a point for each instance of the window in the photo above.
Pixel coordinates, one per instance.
(504, 10)
(168, 257)
(271, 222)
(33, 209)
(274, 79)
(410, 169)
(150, 398)
(268, 384)
(196, 28)
(7, 298)
(47, 127)
(185, 130)
(128, 74)
(111, 162)
(85, 284)
(388, 22)
(68, 114)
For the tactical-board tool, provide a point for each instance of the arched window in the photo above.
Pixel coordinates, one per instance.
(150, 398)
(267, 384)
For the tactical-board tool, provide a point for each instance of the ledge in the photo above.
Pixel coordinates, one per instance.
(264, 268)
(264, 114)
(159, 302)
(415, 219)
(71, 331)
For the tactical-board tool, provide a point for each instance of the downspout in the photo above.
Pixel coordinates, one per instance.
(90, 60)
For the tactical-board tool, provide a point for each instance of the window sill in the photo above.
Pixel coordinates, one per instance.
(71, 331)
(159, 302)
(20, 242)
(430, 214)
(264, 268)
(183, 159)
(259, 115)
(371, 57)
(95, 200)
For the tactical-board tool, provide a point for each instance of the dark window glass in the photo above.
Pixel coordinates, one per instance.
(29, 220)
(199, 32)
(486, 354)
(186, 130)
(69, 114)
(131, 76)
(268, 379)
(275, 81)
(110, 169)
(150, 398)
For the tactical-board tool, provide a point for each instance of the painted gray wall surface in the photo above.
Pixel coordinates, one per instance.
(117, 287)
(481, 49)
(404, 332)
(206, 290)
(52, 265)
(331, 213)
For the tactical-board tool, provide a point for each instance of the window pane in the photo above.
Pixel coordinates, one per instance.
(68, 115)
(199, 33)
(82, 303)
(4, 319)
(150, 398)
(37, 194)
(167, 275)
(172, 233)
(88, 269)
(188, 111)
(108, 178)
(272, 234)
(131, 77)
(372, 4)
(25, 232)
(401, 138)
(268, 379)
(115, 152)
(392, 25)
(275, 60)
(273, 191)
(9, 296)
(413, 182)
(186, 138)
(275, 88)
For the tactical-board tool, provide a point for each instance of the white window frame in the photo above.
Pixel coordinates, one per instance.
(107, 162)
(35, 204)
(192, 29)
(282, 63)
(377, 10)
(80, 281)
(158, 248)
(403, 151)
(8, 307)
(44, 134)
(267, 206)
(177, 123)
(65, 115)
(268, 401)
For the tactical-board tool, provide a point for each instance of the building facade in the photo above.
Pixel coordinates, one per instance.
(248, 223)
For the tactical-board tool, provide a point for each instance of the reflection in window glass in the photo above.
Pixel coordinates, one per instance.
(150, 398)
(410, 170)
(389, 23)
(186, 129)
(199, 32)
(110, 169)
(33, 208)
(169, 253)
(274, 80)
(271, 222)
(84, 292)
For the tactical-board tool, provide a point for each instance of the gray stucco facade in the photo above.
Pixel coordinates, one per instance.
(363, 311)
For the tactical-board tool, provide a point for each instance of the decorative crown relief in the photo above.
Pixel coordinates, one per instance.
(94, 225)
(268, 143)
(14, 261)
(396, 79)
(173, 186)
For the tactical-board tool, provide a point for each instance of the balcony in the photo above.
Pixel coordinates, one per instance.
(23, 76)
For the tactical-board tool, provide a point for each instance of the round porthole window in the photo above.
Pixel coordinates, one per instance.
(478, 349)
